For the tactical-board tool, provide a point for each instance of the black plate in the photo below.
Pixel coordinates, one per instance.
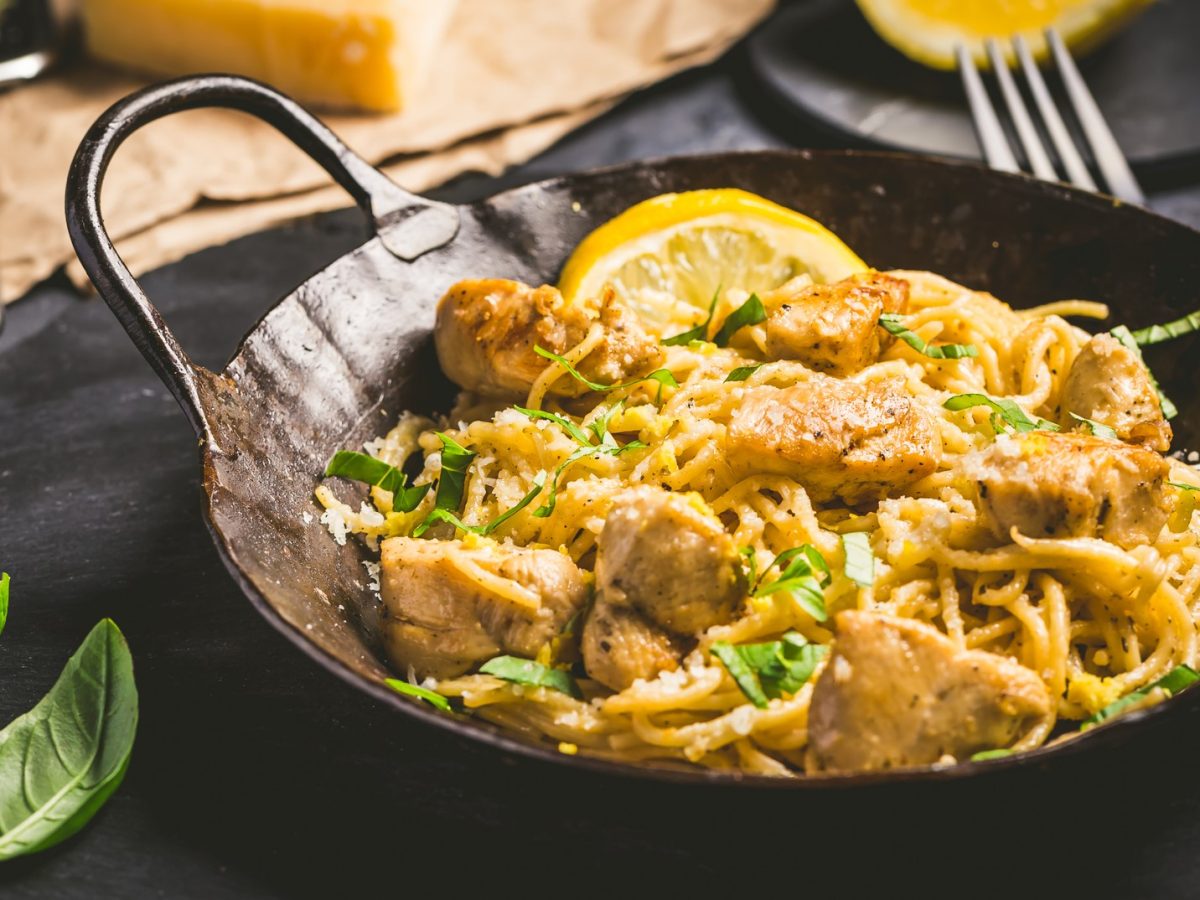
(335, 361)
(823, 61)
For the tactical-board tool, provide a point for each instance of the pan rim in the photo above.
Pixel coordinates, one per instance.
(495, 738)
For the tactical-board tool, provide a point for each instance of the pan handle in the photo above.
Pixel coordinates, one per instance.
(407, 225)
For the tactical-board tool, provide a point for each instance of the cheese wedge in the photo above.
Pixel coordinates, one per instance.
(358, 54)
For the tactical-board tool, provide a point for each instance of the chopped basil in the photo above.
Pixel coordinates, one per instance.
(803, 574)
(860, 559)
(890, 322)
(445, 515)
(749, 313)
(433, 698)
(3, 600)
(368, 469)
(1098, 429)
(1182, 486)
(751, 556)
(741, 373)
(662, 376)
(1003, 410)
(1156, 334)
(1126, 339)
(1173, 682)
(562, 421)
(526, 671)
(1181, 518)
(765, 671)
(547, 508)
(456, 459)
(984, 755)
(700, 332)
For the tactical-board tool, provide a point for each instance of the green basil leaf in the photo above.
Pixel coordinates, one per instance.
(984, 755)
(1156, 334)
(805, 590)
(751, 556)
(662, 376)
(1173, 682)
(3, 600)
(562, 421)
(804, 575)
(890, 322)
(1182, 486)
(62, 760)
(1005, 410)
(456, 460)
(445, 515)
(749, 313)
(526, 671)
(433, 698)
(772, 669)
(860, 558)
(547, 508)
(361, 467)
(1098, 429)
(741, 672)
(1125, 338)
(799, 561)
(700, 332)
(741, 373)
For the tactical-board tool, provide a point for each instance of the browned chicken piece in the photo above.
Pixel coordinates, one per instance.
(487, 329)
(832, 327)
(837, 438)
(668, 556)
(896, 692)
(619, 646)
(1110, 385)
(443, 622)
(1069, 484)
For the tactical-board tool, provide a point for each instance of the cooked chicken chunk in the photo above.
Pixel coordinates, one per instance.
(896, 692)
(832, 327)
(838, 438)
(487, 329)
(450, 606)
(669, 557)
(1070, 485)
(620, 645)
(1110, 385)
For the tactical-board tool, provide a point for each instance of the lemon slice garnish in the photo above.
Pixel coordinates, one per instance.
(929, 30)
(667, 256)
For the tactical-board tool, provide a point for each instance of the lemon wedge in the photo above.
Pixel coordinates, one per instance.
(668, 255)
(929, 30)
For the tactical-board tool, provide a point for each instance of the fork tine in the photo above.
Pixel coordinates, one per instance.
(1030, 140)
(1109, 158)
(1077, 170)
(996, 150)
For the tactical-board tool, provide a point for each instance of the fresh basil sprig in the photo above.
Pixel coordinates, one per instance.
(984, 755)
(860, 558)
(3, 600)
(361, 467)
(1003, 411)
(804, 574)
(63, 759)
(890, 322)
(662, 376)
(749, 313)
(699, 332)
(527, 671)
(1156, 334)
(772, 669)
(1173, 682)
(1126, 339)
(741, 373)
(433, 698)
(1097, 429)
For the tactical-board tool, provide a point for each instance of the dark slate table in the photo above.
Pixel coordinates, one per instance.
(256, 774)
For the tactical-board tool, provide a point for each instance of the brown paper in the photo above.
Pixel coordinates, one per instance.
(512, 77)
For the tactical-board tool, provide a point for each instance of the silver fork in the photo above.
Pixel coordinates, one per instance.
(1109, 159)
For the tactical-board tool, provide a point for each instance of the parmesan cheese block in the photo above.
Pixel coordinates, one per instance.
(361, 54)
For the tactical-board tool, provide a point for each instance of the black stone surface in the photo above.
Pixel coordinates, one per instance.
(256, 774)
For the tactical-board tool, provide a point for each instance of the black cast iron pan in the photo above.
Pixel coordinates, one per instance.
(334, 362)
